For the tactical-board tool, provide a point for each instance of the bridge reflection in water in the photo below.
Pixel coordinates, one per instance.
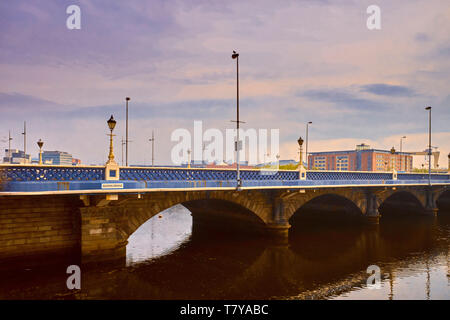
(323, 259)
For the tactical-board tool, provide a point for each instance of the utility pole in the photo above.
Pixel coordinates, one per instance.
(235, 55)
(429, 145)
(9, 145)
(306, 158)
(24, 138)
(123, 143)
(152, 140)
(126, 132)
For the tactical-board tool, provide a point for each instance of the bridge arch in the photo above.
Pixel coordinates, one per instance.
(246, 208)
(401, 202)
(443, 199)
(334, 204)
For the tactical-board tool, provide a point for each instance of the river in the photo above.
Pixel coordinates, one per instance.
(321, 261)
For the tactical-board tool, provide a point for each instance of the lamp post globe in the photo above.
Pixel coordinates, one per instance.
(111, 123)
(40, 144)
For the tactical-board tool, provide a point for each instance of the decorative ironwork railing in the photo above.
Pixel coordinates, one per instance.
(51, 173)
(167, 174)
(19, 173)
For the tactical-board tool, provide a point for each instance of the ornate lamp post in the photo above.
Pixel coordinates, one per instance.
(40, 143)
(300, 144)
(449, 163)
(111, 125)
(112, 168)
(189, 158)
(394, 171)
(393, 158)
(301, 168)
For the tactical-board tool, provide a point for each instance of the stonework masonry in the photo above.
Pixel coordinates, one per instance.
(98, 226)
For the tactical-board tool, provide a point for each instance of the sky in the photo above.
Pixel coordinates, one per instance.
(299, 61)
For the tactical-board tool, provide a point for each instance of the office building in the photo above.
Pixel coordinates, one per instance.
(363, 158)
(57, 158)
(16, 156)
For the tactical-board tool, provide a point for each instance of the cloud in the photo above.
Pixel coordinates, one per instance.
(422, 37)
(173, 59)
(342, 99)
(383, 89)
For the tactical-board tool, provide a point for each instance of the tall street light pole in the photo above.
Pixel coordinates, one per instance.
(24, 138)
(122, 143)
(401, 148)
(401, 140)
(9, 145)
(235, 55)
(152, 140)
(307, 162)
(126, 132)
(429, 144)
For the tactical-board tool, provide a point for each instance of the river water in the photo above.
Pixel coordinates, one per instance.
(165, 261)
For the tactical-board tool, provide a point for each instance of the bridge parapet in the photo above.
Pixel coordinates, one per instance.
(94, 173)
(163, 174)
(50, 173)
(32, 178)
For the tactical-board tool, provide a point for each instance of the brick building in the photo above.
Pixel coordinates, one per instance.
(363, 158)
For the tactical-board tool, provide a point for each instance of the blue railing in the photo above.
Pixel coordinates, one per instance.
(167, 174)
(57, 178)
(51, 173)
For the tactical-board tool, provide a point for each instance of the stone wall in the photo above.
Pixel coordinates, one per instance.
(32, 225)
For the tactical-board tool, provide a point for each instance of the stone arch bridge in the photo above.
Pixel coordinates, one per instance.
(60, 209)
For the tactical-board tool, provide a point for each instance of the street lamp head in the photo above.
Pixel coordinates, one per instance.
(392, 150)
(127, 98)
(234, 55)
(428, 108)
(300, 141)
(310, 122)
(111, 123)
(40, 143)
